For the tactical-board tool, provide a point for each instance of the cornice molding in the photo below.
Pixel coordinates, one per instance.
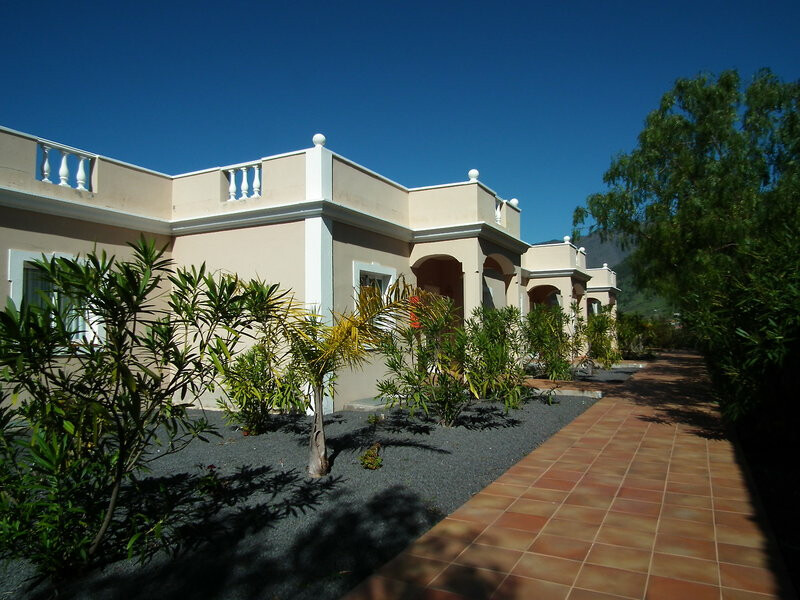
(574, 273)
(264, 215)
(69, 209)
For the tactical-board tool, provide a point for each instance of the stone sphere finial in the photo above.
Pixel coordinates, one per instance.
(473, 174)
(514, 202)
(605, 265)
(582, 250)
(567, 239)
(318, 139)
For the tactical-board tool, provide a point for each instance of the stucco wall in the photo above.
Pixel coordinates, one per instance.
(283, 181)
(352, 244)
(441, 206)
(33, 232)
(274, 253)
(366, 193)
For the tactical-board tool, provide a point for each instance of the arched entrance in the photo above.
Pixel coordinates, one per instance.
(593, 306)
(441, 275)
(545, 294)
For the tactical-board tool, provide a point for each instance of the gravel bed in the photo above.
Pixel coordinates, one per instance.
(264, 530)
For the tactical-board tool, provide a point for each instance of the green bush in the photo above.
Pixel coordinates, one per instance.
(548, 341)
(425, 362)
(86, 408)
(256, 386)
(495, 353)
(601, 341)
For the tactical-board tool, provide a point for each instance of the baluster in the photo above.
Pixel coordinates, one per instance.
(63, 172)
(256, 181)
(46, 164)
(232, 185)
(245, 187)
(81, 173)
(498, 211)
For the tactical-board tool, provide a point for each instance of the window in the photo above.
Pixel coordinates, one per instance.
(30, 286)
(373, 274)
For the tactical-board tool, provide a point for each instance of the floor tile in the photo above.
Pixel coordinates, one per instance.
(438, 547)
(458, 529)
(582, 514)
(579, 594)
(547, 568)
(614, 581)
(563, 547)
(751, 579)
(665, 588)
(682, 546)
(743, 555)
(688, 529)
(502, 537)
(488, 557)
(686, 568)
(468, 581)
(630, 538)
(630, 559)
(533, 507)
(522, 588)
(513, 520)
(571, 529)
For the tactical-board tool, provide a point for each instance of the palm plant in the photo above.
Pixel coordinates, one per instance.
(320, 349)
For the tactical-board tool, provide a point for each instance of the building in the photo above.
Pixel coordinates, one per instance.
(310, 220)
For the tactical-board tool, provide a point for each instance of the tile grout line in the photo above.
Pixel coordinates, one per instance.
(491, 523)
(608, 510)
(660, 512)
(567, 449)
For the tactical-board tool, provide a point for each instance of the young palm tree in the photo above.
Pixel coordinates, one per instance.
(320, 349)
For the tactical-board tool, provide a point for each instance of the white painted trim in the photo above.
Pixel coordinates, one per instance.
(554, 244)
(369, 172)
(247, 163)
(608, 288)
(94, 328)
(319, 266)
(576, 273)
(374, 268)
(265, 215)
(319, 174)
(76, 210)
(16, 264)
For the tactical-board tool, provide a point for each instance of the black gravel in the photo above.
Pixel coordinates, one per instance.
(258, 528)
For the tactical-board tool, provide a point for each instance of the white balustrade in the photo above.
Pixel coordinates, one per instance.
(68, 156)
(239, 186)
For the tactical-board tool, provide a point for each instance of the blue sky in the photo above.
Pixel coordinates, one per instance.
(538, 96)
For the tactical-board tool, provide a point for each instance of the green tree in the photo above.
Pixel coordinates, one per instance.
(710, 198)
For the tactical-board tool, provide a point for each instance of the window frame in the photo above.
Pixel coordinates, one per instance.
(373, 268)
(90, 326)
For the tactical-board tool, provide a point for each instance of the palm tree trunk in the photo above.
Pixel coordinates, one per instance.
(318, 453)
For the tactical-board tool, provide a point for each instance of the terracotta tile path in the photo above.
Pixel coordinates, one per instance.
(642, 496)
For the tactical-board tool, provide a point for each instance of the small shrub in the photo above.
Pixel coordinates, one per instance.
(370, 459)
(495, 353)
(255, 389)
(601, 339)
(425, 362)
(548, 341)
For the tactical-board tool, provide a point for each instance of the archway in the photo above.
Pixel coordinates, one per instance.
(441, 275)
(545, 294)
(593, 306)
